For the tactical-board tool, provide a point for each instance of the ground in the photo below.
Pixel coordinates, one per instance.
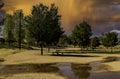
(15, 57)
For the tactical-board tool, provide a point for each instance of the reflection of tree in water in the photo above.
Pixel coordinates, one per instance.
(28, 68)
(81, 71)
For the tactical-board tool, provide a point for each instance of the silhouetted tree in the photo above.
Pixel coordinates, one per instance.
(43, 25)
(63, 41)
(73, 39)
(36, 24)
(110, 39)
(95, 42)
(19, 30)
(82, 33)
(54, 31)
(8, 29)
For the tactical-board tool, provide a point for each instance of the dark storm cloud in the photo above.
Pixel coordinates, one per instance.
(2, 13)
(103, 15)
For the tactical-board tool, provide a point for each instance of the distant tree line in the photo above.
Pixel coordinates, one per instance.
(82, 36)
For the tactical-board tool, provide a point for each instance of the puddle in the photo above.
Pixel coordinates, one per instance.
(85, 71)
(69, 70)
(28, 68)
(66, 70)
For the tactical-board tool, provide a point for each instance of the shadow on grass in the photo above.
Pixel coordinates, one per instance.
(15, 46)
(111, 59)
(68, 55)
(2, 60)
(89, 51)
(28, 68)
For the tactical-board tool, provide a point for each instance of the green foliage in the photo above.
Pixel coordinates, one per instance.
(63, 41)
(19, 29)
(36, 23)
(81, 34)
(95, 42)
(43, 25)
(73, 39)
(109, 39)
(54, 31)
(8, 29)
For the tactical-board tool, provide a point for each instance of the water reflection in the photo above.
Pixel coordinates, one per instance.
(28, 68)
(87, 71)
(75, 71)
(70, 70)
(81, 71)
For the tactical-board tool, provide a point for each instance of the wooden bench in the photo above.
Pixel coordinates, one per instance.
(57, 52)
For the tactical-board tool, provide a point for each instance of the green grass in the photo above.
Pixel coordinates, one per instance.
(29, 64)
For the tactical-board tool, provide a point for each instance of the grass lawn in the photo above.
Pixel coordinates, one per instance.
(16, 60)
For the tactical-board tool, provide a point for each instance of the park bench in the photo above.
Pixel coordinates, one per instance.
(57, 52)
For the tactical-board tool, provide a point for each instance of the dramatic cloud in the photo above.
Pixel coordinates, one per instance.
(1, 4)
(1, 13)
(103, 15)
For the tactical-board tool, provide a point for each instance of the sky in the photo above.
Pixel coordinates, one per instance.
(102, 15)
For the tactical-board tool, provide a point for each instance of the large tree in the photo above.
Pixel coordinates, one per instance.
(109, 39)
(43, 25)
(8, 29)
(82, 33)
(54, 31)
(19, 30)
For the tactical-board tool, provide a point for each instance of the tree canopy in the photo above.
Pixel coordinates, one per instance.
(81, 34)
(8, 29)
(19, 29)
(110, 39)
(43, 25)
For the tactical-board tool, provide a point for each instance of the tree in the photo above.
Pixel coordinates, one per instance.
(63, 40)
(82, 33)
(19, 30)
(95, 42)
(110, 40)
(73, 39)
(8, 29)
(54, 31)
(43, 25)
(35, 24)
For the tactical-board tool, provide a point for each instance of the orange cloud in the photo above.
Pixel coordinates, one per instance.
(72, 11)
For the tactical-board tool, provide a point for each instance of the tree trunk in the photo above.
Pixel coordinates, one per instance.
(81, 48)
(41, 50)
(48, 49)
(111, 49)
(19, 40)
(87, 48)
